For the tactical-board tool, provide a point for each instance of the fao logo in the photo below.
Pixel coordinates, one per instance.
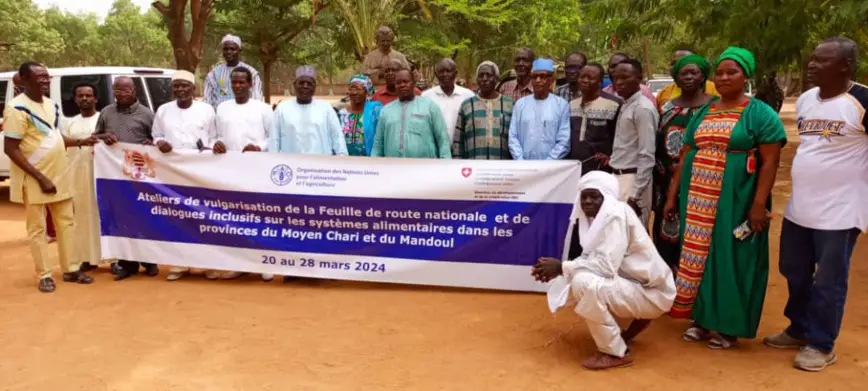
(281, 175)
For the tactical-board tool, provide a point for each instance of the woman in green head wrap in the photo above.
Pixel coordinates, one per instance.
(731, 152)
(690, 74)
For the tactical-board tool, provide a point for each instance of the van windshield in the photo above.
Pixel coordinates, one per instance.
(160, 89)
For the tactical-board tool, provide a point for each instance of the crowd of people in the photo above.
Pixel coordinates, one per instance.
(701, 157)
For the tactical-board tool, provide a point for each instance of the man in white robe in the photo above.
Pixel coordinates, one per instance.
(243, 124)
(218, 86)
(619, 273)
(184, 124)
(86, 214)
(306, 125)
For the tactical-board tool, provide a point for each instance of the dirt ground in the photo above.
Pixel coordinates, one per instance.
(194, 334)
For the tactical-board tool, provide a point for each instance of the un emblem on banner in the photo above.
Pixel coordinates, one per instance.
(281, 175)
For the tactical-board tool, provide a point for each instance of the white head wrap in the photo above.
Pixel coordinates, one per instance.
(489, 64)
(305, 70)
(184, 75)
(590, 231)
(231, 38)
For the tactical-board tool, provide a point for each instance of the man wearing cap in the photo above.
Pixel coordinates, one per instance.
(218, 83)
(185, 124)
(372, 65)
(306, 125)
(540, 126)
(411, 127)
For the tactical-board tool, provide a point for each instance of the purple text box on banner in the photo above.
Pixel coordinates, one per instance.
(419, 229)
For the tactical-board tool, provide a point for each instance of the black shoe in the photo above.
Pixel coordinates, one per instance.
(152, 270)
(46, 285)
(116, 268)
(78, 277)
(87, 267)
(123, 274)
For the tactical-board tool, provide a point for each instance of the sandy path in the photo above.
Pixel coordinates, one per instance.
(148, 334)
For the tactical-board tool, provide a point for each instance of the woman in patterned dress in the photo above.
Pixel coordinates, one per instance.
(359, 119)
(730, 157)
(690, 73)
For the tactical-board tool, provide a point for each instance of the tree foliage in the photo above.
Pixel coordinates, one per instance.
(334, 35)
(61, 39)
(267, 26)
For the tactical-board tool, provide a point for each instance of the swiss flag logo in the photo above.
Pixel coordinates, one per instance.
(466, 171)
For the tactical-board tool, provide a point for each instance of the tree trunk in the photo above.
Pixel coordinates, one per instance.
(769, 91)
(806, 84)
(647, 55)
(266, 80)
(187, 49)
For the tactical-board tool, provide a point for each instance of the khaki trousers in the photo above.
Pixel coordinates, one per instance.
(64, 223)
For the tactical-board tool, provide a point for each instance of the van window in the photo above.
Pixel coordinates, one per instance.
(160, 89)
(67, 96)
(141, 95)
(4, 84)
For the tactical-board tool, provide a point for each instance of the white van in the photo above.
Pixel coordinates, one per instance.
(153, 88)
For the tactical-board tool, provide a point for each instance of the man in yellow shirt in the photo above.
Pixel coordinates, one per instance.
(672, 91)
(39, 177)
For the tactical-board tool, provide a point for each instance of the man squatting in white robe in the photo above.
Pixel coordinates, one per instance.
(619, 273)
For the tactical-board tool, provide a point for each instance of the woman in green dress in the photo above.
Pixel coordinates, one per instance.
(730, 157)
(690, 73)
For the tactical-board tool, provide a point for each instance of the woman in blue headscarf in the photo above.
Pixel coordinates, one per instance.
(359, 118)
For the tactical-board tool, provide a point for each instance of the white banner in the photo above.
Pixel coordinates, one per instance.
(465, 223)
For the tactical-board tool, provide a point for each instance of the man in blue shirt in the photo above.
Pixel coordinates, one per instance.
(540, 127)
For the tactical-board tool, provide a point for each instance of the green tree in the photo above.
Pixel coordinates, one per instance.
(26, 34)
(780, 33)
(134, 39)
(267, 26)
(363, 17)
(82, 44)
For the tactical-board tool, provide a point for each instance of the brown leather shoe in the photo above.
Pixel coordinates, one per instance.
(602, 361)
(46, 285)
(78, 278)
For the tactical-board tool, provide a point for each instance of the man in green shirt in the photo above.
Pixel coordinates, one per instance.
(411, 127)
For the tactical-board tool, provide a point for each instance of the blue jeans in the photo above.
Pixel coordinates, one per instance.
(816, 264)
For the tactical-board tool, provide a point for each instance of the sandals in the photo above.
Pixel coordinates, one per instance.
(696, 334)
(720, 342)
(46, 285)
